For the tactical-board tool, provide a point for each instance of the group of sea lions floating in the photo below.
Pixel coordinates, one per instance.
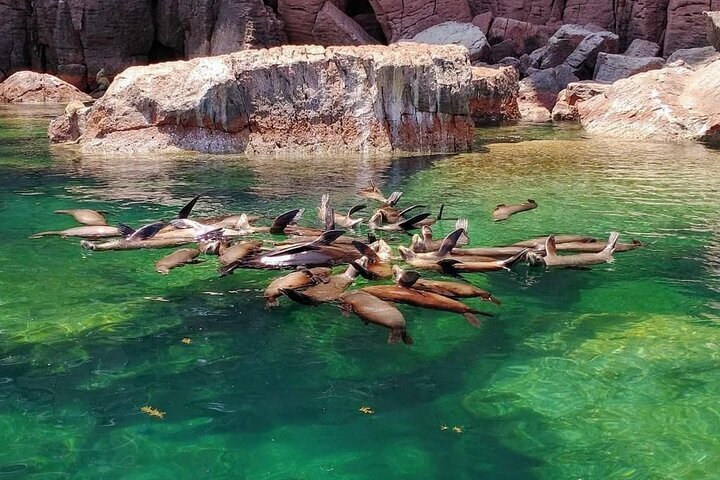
(312, 252)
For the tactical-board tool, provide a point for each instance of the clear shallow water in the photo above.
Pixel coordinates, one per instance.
(602, 373)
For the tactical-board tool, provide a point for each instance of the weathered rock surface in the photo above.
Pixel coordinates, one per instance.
(235, 25)
(403, 19)
(712, 22)
(686, 26)
(308, 98)
(610, 68)
(566, 107)
(299, 17)
(483, 21)
(333, 27)
(454, 33)
(539, 92)
(642, 48)
(68, 128)
(31, 87)
(563, 43)
(671, 103)
(494, 96)
(694, 57)
(583, 59)
(524, 37)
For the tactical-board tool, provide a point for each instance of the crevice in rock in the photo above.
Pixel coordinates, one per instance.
(363, 13)
(162, 53)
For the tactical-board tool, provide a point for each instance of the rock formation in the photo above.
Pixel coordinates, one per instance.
(453, 33)
(539, 92)
(566, 107)
(672, 103)
(308, 98)
(713, 28)
(31, 87)
(611, 68)
(494, 96)
(401, 19)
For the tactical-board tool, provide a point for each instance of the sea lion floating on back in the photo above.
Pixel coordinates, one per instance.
(503, 212)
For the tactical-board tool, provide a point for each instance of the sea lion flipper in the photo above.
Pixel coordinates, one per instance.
(328, 237)
(550, 246)
(366, 250)
(472, 320)
(612, 242)
(449, 242)
(408, 224)
(303, 247)
(449, 266)
(147, 231)
(125, 230)
(299, 297)
(364, 272)
(283, 220)
(356, 208)
(440, 212)
(510, 262)
(408, 278)
(329, 219)
(185, 211)
(393, 198)
(406, 338)
(409, 209)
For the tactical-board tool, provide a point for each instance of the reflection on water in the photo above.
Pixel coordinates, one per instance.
(607, 372)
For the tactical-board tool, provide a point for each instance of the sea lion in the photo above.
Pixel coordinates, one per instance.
(344, 221)
(379, 222)
(595, 247)
(492, 252)
(503, 212)
(540, 241)
(237, 251)
(376, 265)
(85, 216)
(97, 231)
(293, 281)
(72, 108)
(371, 309)
(424, 243)
(176, 259)
(322, 292)
(102, 84)
(396, 293)
(125, 244)
(143, 233)
(411, 279)
(373, 193)
(552, 259)
(453, 266)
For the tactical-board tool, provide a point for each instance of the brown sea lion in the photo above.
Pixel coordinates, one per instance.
(178, 258)
(453, 266)
(595, 247)
(371, 309)
(396, 293)
(410, 279)
(98, 231)
(85, 216)
(72, 108)
(377, 264)
(339, 220)
(540, 241)
(552, 259)
(237, 251)
(324, 291)
(379, 222)
(424, 243)
(125, 244)
(372, 192)
(293, 281)
(503, 212)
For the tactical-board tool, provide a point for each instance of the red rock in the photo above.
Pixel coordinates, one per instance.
(671, 103)
(538, 12)
(369, 23)
(333, 27)
(563, 43)
(525, 37)
(494, 95)
(14, 35)
(453, 33)
(31, 87)
(483, 21)
(68, 128)
(403, 19)
(566, 105)
(299, 17)
(686, 27)
(539, 92)
(694, 57)
(712, 23)
(241, 24)
(292, 98)
(611, 67)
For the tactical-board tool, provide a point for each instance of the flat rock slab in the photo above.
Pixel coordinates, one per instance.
(672, 103)
(294, 98)
(611, 67)
(31, 87)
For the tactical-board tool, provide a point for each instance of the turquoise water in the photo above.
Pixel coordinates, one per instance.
(609, 372)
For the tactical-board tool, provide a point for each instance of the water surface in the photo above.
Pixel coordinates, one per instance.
(609, 372)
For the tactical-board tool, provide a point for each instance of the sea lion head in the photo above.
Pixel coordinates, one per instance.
(534, 258)
(383, 250)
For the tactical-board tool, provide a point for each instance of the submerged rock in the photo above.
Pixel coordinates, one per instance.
(308, 98)
(31, 87)
(672, 103)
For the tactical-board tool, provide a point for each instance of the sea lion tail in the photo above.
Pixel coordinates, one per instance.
(612, 243)
(185, 211)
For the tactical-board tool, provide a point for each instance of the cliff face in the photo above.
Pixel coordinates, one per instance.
(76, 38)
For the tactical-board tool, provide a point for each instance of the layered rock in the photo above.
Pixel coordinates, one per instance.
(308, 98)
(402, 19)
(610, 67)
(712, 23)
(694, 57)
(584, 58)
(454, 33)
(539, 92)
(494, 96)
(299, 17)
(333, 27)
(31, 87)
(566, 107)
(14, 50)
(686, 26)
(672, 103)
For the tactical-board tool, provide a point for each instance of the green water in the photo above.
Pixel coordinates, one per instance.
(603, 373)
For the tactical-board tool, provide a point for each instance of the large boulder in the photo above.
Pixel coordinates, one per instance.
(494, 95)
(306, 98)
(694, 57)
(539, 92)
(611, 67)
(712, 22)
(299, 17)
(333, 27)
(523, 36)
(686, 26)
(583, 59)
(566, 107)
(403, 19)
(563, 42)
(31, 87)
(453, 33)
(642, 48)
(672, 103)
